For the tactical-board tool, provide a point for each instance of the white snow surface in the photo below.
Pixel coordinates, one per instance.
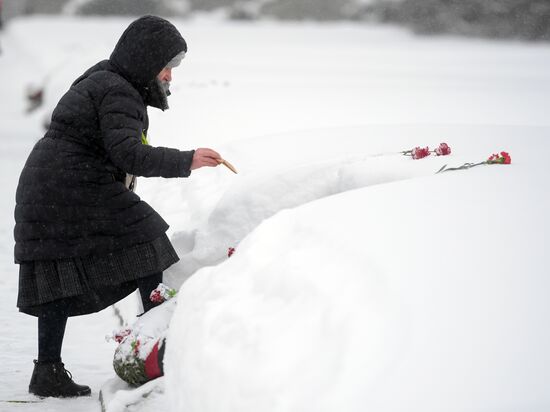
(361, 280)
(425, 294)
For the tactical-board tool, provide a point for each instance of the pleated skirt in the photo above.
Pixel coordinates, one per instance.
(89, 284)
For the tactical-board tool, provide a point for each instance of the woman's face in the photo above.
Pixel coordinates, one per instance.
(165, 75)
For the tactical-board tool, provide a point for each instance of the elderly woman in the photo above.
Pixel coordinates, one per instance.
(84, 239)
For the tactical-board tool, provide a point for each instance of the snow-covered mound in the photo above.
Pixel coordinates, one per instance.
(220, 208)
(224, 208)
(424, 294)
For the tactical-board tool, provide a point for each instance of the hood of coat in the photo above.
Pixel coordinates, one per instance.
(145, 48)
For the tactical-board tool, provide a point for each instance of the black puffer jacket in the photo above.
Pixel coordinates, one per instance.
(71, 200)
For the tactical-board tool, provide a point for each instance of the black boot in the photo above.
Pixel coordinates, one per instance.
(52, 379)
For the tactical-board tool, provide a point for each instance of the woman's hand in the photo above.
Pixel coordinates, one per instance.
(205, 157)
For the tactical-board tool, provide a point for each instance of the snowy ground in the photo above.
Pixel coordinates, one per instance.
(305, 113)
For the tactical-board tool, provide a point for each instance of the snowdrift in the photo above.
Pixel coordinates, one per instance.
(415, 291)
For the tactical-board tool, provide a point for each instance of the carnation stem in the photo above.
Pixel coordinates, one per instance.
(463, 167)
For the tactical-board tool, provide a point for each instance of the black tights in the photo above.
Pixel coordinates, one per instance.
(53, 320)
(51, 329)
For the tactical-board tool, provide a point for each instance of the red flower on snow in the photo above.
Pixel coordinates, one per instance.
(419, 153)
(503, 158)
(156, 297)
(162, 293)
(230, 251)
(443, 150)
(119, 337)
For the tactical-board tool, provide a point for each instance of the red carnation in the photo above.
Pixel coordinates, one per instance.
(119, 337)
(443, 150)
(230, 251)
(503, 158)
(162, 293)
(156, 297)
(419, 153)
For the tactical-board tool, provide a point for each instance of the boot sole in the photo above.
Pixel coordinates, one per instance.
(51, 394)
